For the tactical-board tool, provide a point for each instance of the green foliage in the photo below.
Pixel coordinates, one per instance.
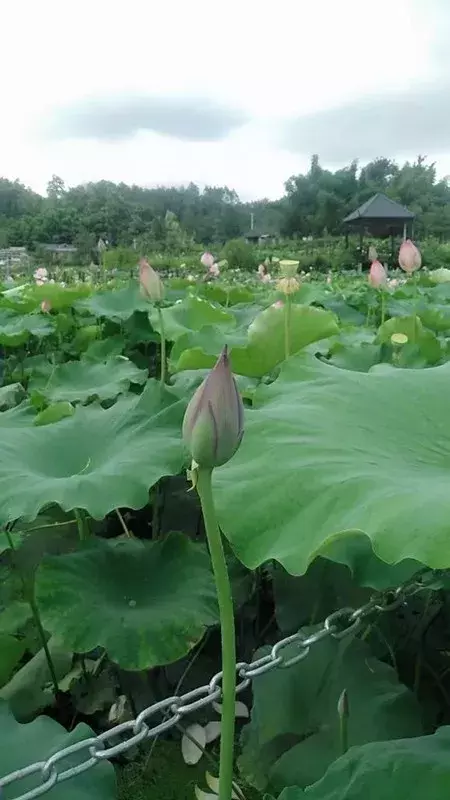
(36, 742)
(339, 488)
(406, 769)
(294, 734)
(239, 254)
(163, 593)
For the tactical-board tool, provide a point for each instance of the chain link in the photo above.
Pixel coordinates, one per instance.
(338, 625)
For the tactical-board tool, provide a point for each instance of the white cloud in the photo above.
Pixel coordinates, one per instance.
(271, 63)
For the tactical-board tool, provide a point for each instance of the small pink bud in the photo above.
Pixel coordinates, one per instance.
(214, 419)
(409, 256)
(46, 306)
(377, 275)
(277, 304)
(214, 270)
(207, 260)
(151, 284)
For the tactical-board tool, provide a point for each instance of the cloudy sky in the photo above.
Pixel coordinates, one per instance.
(238, 93)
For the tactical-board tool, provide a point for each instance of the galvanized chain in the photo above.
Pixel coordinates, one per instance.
(99, 748)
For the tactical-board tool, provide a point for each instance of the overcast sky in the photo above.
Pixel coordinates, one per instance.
(238, 93)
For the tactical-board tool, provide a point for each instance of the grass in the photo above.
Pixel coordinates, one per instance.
(166, 777)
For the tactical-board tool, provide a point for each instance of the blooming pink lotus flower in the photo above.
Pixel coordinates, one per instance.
(261, 270)
(40, 276)
(151, 285)
(207, 260)
(46, 306)
(214, 270)
(277, 304)
(213, 424)
(409, 256)
(266, 278)
(377, 275)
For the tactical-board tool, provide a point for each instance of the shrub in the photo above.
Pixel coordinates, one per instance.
(239, 254)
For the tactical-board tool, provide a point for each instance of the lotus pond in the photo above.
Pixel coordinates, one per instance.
(339, 489)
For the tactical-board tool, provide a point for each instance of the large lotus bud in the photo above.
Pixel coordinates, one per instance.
(151, 284)
(214, 418)
(409, 256)
(207, 260)
(377, 275)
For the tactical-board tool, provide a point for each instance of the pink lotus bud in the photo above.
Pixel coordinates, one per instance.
(214, 270)
(207, 260)
(377, 275)
(214, 419)
(261, 270)
(46, 306)
(151, 285)
(40, 276)
(266, 278)
(409, 256)
(277, 304)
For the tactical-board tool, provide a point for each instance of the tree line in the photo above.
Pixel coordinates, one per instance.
(172, 218)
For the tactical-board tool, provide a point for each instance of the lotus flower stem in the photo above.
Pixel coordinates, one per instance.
(228, 640)
(383, 305)
(28, 593)
(287, 327)
(83, 528)
(163, 347)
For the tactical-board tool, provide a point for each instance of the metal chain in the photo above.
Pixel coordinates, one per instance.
(99, 748)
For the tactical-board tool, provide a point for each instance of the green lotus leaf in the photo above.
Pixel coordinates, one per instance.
(37, 741)
(258, 351)
(11, 651)
(160, 594)
(403, 768)
(329, 452)
(78, 381)
(105, 349)
(115, 304)
(11, 395)
(98, 459)
(266, 337)
(294, 736)
(191, 314)
(15, 329)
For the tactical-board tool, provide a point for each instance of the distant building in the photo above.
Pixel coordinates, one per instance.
(56, 253)
(260, 237)
(13, 257)
(59, 249)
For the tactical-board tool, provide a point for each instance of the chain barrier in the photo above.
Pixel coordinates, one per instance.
(94, 750)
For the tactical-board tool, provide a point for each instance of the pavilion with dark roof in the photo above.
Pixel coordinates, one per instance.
(380, 216)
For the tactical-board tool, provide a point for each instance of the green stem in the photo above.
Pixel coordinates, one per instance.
(287, 327)
(29, 597)
(383, 306)
(225, 600)
(163, 347)
(83, 529)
